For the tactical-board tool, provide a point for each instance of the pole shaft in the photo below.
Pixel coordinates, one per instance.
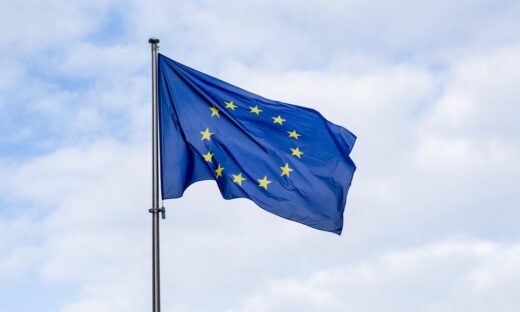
(155, 184)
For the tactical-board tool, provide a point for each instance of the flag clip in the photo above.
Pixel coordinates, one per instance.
(161, 210)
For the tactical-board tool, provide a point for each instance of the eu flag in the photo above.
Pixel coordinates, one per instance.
(287, 159)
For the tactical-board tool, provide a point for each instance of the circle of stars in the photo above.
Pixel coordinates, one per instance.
(238, 178)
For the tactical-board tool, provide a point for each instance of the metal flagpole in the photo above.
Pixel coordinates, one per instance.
(155, 210)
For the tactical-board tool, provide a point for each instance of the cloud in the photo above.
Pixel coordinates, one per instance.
(35, 25)
(310, 33)
(93, 229)
(429, 91)
(479, 96)
(19, 249)
(445, 276)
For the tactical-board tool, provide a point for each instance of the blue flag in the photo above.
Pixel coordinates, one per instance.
(287, 159)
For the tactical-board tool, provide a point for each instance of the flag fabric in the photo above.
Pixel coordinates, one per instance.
(287, 159)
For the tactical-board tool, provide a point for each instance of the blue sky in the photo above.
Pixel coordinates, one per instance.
(430, 89)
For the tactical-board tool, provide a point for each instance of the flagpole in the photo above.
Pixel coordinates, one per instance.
(155, 185)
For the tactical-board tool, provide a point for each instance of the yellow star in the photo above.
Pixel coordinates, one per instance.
(296, 152)
(214, 111)
(293, 134)
(208, 156)
(206, 135)
(255, 110)
(237, 178)
(230, 105)
(278, 120)
(218, 171)
(263, 182)
(286, 170)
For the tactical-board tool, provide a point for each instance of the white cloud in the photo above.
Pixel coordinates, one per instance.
(436, 155)
(32, 25)
(93, 235)
(19, 251)
(480, 96)
(101, 62)
(446, 276)
(310, 33)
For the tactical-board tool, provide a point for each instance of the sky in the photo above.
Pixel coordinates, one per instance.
(430, 88)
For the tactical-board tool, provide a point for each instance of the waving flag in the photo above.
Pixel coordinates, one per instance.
(288, 159)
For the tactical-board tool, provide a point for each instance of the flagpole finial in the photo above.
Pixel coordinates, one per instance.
(153, 40)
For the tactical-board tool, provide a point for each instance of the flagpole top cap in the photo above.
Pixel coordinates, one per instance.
(153, 40)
